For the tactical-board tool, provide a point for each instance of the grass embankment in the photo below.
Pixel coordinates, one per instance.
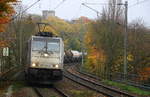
(77, 93)
(128, 88)
(18, 85)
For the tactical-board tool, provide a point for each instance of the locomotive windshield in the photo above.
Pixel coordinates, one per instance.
(52, 46)
(38, 45)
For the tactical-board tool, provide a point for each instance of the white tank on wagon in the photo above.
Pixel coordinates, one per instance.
(76, 54)
(44, 59)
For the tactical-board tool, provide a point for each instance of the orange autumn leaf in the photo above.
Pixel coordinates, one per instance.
(4, 44)
(145, 73)
(6, 11)
(4, 20)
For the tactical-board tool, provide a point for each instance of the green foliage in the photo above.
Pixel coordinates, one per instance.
(89, 66)
(139, 38)
(105, 45)
(77, 93)
(57, 25)
(20, 31)
(106, 35)
(108, 43)
(127, 88)
(18, 85)
(74, 44)
(69, 31)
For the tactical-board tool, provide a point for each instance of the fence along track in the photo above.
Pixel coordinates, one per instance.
(108, 91)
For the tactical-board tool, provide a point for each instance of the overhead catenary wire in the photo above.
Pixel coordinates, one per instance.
(102, 4)
(96, 3)
(59, 4)
(91, 9)
(138, 3)
(25, 10)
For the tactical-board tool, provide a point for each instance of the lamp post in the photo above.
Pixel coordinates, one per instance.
(82, 40)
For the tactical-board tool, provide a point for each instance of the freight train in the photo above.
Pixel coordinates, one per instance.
(72, 56)
(45, 56)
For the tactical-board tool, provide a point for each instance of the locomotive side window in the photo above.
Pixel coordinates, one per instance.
(38, 45)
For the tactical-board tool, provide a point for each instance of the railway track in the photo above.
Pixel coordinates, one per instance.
(11, 74)
(38, 92)
(4, 74)
(60, 92)
(47, 92)
(99, 87)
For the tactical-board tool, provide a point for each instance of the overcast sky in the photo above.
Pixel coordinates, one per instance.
(71, 9)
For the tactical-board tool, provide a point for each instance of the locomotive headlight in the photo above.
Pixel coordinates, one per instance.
(33, 64)
(45, 54)
(56, 66)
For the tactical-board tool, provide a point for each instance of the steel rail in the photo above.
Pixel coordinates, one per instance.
(132, 83)
(86, 74)
(57, 90)
(106, 90)
(6, 72)
(36, 90)
(60, 92)
(7, 75)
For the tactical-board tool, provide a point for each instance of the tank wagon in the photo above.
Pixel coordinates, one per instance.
(72, 56)
(45, 55)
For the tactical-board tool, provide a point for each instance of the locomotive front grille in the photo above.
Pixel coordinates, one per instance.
(45, 74)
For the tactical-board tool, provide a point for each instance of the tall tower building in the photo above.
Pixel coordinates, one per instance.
(47, 13)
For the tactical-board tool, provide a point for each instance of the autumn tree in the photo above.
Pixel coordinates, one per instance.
(6, 12)
(20, 30)
(104, 42)
(138, 48)
(70, 31)
(106, 38)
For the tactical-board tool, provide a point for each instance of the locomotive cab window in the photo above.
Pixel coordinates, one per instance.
(49, 45)
(53, 46)
(38, 45)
